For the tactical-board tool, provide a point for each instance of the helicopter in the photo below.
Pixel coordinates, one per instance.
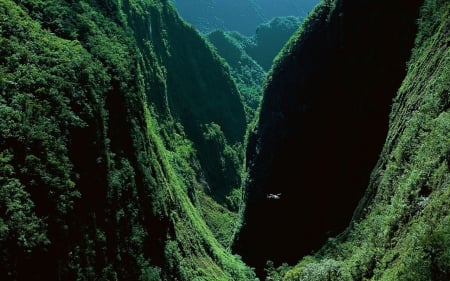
(274, 196)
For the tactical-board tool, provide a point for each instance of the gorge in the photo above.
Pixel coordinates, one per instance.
(128, 150)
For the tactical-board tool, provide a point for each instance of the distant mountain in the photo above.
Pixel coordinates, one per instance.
(122, 144)
(250, 57)
(270, 38)
(239, 15)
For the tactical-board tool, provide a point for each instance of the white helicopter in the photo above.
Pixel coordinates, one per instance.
(274, 196)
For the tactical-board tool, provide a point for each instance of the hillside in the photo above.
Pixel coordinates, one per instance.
(243, 16)
(270, 38)
(104, 133)
(125, 152)
(250, 58)
(322, 125)
(401, 228)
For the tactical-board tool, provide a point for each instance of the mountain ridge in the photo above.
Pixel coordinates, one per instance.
(99, 176)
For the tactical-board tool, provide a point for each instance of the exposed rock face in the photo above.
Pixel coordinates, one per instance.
(322, 124)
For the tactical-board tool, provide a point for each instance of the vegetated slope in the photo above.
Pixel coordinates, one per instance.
(243, 16)
(250, 57)
(323, 121)
(401, 230)
(203, 98)
(98, 181)
(248, 74)
(270, 39)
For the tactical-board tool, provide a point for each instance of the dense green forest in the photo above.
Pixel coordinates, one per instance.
(132, 147)
(324, 141)
(112, 138)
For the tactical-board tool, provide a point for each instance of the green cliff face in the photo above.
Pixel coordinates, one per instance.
(321, 130)
(270, 39)
(248, 74)
(121, 137)
(199, 94)
(401, 229)
(108, 110)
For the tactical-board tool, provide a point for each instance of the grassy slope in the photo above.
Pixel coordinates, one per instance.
(89, 188)
(401, 229)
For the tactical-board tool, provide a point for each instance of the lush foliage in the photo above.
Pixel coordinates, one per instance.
(250, 57)
(121, 137)
(97, 179)
(270, 39)
(401, 229)
(197, 99)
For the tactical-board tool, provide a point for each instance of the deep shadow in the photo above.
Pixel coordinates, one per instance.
(322, 125)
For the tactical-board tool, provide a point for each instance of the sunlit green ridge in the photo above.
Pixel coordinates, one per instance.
(101, 161)
(341, 68)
